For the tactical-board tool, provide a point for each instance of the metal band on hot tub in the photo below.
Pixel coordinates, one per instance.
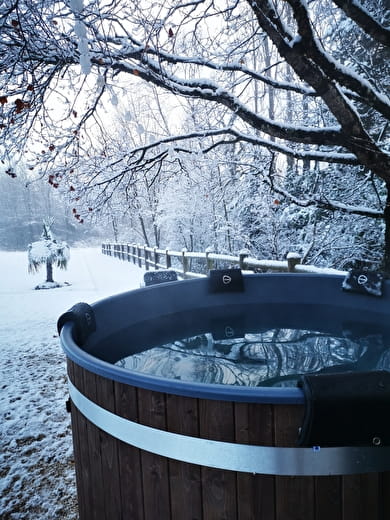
(230, 456)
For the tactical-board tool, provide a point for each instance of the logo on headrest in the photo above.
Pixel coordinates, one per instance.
(362, 279)
(229, 332)
(226, 279)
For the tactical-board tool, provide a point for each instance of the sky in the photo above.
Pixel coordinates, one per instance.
(37, 477)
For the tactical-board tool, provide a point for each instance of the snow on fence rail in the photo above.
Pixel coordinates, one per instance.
(192, 264)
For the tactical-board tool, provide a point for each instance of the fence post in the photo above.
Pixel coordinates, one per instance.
(123, 251)
(146, 259)
(209, 262)
(241, 259)
(168, 260)
(155, 258)
(293, 259)
(139, 255)
(184, 260)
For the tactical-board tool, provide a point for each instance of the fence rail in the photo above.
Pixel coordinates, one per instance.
(184, 262)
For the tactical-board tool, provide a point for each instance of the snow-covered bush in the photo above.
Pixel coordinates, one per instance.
(48, 251)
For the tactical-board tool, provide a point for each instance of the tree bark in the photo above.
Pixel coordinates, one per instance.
(315, 68)
(144, 232)
(386, 252)
(49, 271)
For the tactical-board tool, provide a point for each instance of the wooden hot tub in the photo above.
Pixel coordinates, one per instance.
(150, 447)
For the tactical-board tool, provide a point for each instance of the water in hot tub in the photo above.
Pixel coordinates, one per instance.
(275, 357)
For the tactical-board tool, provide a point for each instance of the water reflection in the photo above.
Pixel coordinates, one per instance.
(274, 357)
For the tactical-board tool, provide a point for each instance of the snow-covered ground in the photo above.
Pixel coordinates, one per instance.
(37, 478)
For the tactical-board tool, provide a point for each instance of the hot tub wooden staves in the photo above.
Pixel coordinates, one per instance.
(118, 481)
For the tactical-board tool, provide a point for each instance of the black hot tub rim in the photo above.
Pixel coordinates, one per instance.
(307, 290)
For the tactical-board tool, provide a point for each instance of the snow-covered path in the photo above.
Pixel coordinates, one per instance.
(36, 462)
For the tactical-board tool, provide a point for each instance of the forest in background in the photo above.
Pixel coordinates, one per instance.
(24, 206)
(228, 126)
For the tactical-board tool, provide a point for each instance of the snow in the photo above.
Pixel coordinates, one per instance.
(318, 270)
(42, 250)
(292, 255)
(36, 461)
(80, 32)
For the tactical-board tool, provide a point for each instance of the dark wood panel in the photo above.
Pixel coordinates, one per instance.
(130, 458)
(385, 490)
(185, 490)
(254, 423)
(182, 415)
(362, 497)
(294, 496)
(83, 465)
(116, 480)
(155, 471)
(255, 493)
(216, 420)
(126, 401)
(287, 421)
(77, 434)
(328, 502)
(219, 487)
(152, 408)
(185, 479)
(255, 496)
(109, 453)
(93, 446)
(91, 499)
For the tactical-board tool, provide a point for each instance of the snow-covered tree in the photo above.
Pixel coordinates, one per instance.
(63, 61)
(48, 252)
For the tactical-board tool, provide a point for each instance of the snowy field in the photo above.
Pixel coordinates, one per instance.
(37, 478)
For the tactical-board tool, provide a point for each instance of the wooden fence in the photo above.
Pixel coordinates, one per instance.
(191, 264)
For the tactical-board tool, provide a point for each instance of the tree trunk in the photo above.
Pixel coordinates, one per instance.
(49, 271)
(386, 253)
(144, 233)
(156, 232)
(115, 229)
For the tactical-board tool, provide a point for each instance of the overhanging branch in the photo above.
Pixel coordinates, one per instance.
(328, 204)
(362, 17)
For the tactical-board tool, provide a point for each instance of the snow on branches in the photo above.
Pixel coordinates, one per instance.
(303, 84)
(215, 57)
